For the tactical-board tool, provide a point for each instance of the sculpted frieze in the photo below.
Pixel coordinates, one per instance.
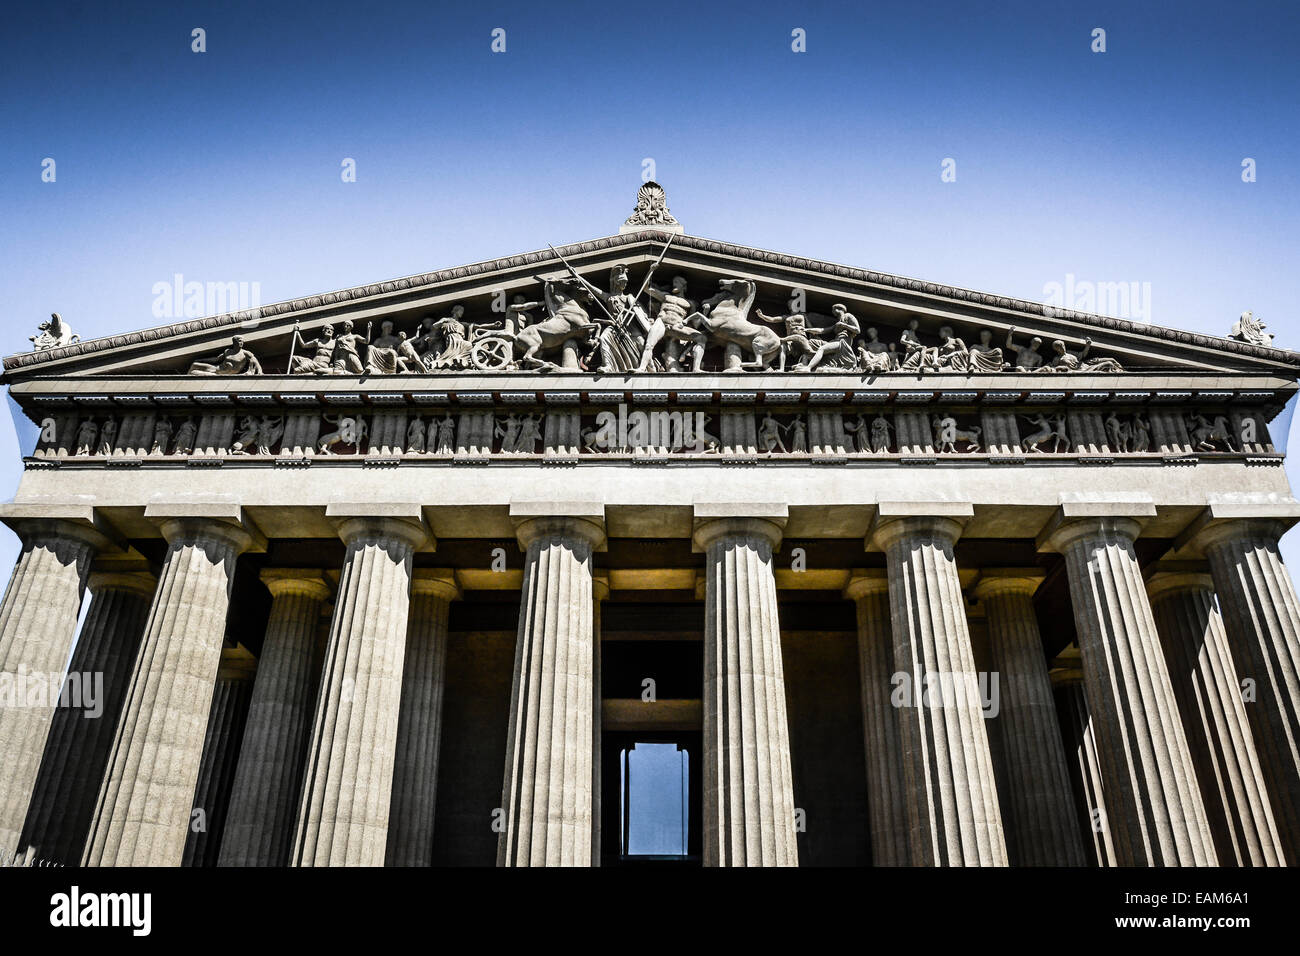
(814, 432)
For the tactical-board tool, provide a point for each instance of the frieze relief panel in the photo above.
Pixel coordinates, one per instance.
(658, 433)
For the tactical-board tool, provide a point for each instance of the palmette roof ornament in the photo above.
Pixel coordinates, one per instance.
(651, 211)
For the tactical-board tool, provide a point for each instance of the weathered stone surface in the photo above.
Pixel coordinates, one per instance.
(954, 818)
(1214, 719)
(226, 721)
(1153, 803)
(749, 810)
(79, 744)
(1085, 772)
(1261, 616)
(144, 809)
(1039, 816)
(38, 621)
(886, 794)
(547, 796)
(268, 781)
(348, 782)
(419, 726)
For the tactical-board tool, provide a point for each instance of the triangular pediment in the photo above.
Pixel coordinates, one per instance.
(782, 284)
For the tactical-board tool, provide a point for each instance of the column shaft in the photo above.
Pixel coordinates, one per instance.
(1040, 817)
(1085, 772)
(886, 794)
(268, 781)
(1261, 617)
(1214, 720)
(143, 814)
(38, 622)
(749, 812)
(80, 741)
(547, 795)
(348, 784)
(1153, 802)
(954, 816)
(419, 725)
(227, 718)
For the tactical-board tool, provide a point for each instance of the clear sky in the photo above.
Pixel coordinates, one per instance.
(224, 166)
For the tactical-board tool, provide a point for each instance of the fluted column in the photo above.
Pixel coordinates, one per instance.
(1261, 617)
(1085, 771)
(599, 591)
(348, 783)
(954, 817)
(80, 740)
(1040, 821)
(268, 781)
(144, 810)
(1214, 719)
(38, 621)
(419, 725)
(1153, 803)
(226, 719)
(749, 817)
(886, 795)
(547, 795)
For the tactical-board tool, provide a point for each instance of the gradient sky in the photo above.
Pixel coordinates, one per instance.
(1123, 166)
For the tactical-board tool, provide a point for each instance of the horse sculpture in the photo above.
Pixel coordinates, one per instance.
(1205, 433)
(725, 319)
(568, 321)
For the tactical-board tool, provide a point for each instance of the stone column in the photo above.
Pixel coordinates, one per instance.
(749, 817)
(1261, 617)
(548, 774)
(886, 795)
(348, 784)
(1214, 718)
(419, 725)
(954, 816)
(268, 781)
(1085, 774)
(1040, 820)
(1153, 804)
(80, 740)
(143, 814)
(38, 622)
(599, 591)
(226, 720)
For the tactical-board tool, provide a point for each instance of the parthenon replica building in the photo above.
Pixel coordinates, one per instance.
(435, 571)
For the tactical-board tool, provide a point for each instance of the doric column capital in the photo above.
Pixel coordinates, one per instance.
(199, 531)
(994, 581)
(1059, 535)
(921, 519)
(53, 522)
(237, 663)
(1207, 534)
(583, 520)
(143, 583)
(1163, 580)
(309, 581)
(1081, 515)
(401, 521)
(439, 582)
(865, 582)
(713, 520)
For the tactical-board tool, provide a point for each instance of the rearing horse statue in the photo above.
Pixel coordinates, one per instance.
(725, 317)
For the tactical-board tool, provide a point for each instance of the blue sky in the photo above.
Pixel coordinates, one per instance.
(224, 166)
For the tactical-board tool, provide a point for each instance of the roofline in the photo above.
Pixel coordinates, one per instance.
(27, 360)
